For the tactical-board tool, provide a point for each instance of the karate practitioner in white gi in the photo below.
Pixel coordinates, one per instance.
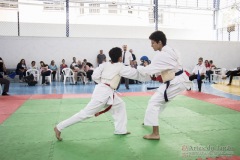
(166, 59)
(107, 75)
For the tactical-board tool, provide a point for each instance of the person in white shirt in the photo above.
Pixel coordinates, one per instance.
(33, 65)
(107, 75)
(75, 68)
(54, 69)
(198, 73)
(165, 65)
(34, 70)
(127, 61)
(74, 63)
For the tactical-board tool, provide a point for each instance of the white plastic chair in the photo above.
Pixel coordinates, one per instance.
(83, 79)
(35, 73)
(216, 76)
(56, 76)
(68, 73)
(1, 85)
(1, 90)
(49, 78)
(222, 74)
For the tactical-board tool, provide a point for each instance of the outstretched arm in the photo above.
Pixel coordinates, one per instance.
(132, 73)
(160, 62)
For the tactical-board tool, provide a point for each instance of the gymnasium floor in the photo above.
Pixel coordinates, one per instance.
(193, 126)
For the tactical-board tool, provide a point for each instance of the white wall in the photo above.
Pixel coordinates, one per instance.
(99, 31)
(224, 54)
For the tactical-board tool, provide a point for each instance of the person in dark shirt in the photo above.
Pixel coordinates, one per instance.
(21, 69)
(231, 74)
(2, 66)
(44, 72)
(88, 69)
(101, 57)
(6, 83)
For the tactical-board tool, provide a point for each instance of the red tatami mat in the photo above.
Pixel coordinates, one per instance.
(222, 158)
(8, 105)
(46, 96)
(14, 97)
(77, 95)
(136, 94)
(221, 101)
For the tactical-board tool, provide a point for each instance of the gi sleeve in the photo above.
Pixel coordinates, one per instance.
(160, 62)
(132, 73)
(97, 73)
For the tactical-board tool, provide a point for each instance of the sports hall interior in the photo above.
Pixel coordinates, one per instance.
(194, 125)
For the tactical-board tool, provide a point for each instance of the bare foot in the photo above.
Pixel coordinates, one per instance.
(57, 134)
(152, 137)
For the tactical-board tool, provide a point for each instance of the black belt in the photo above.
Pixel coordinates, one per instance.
(168, 83)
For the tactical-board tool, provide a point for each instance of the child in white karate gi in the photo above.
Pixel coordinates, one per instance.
(165, 60)
(107, 75)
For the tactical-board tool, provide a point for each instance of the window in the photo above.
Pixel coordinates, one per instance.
(130, 9)
(81, 8)
(9, 4)
(53, 6)
(151, 15)
(94, 8)
(112, 8)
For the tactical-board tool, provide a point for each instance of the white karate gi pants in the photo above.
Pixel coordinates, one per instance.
(118, 112)
(157, 102)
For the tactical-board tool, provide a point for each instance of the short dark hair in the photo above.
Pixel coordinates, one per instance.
(158, 36)
(210, 61)
(115, 53)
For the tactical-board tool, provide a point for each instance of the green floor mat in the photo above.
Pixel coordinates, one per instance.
(186, 125)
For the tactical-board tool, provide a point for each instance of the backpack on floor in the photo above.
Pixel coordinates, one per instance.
(30, 80)
(32, 83)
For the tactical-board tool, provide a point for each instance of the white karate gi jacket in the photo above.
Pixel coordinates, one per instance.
(105, 73)
(166, 59)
